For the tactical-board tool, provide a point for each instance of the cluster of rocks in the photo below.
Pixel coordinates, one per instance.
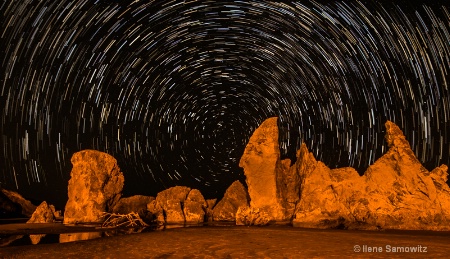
(96, 184)
(396, 192)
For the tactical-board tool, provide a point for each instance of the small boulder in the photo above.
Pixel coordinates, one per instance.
(235, 196)
(156, 212)
(248, 216)
(178, 205)
(194, 207)
(136, 203)
(44, 213)
(94, 187)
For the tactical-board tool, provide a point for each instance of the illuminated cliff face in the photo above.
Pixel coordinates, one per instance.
(395, 192)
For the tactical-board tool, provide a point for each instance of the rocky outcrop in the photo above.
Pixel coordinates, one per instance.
(194, 207)
(235, 196)
(249, 216)
(178, 205)
(44, 213)
(94, 187)
(13, 202)
(269, 182)
(136, 203)
(396, 192)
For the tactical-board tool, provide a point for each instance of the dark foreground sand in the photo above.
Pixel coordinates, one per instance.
(246, 242)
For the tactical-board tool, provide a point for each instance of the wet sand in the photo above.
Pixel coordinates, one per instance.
(246, 242)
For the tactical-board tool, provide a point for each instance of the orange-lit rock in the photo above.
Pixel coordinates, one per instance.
(396, 192)
(194, 207)
(264, 171)
(169, 203)
(44, 213)
(94, 187)
(72, 237)
(248, 216)
(178, 205)
(235, 196)
(209, 209)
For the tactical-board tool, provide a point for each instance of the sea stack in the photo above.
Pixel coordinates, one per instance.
(95, 186)
(263, 171)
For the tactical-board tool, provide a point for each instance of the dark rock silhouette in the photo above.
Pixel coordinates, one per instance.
(136, 203)
(209, 209)
(235, 196)
(9, 209)
(13, 202)
(94, 187)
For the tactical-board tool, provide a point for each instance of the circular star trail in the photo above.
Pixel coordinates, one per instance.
(174, 89)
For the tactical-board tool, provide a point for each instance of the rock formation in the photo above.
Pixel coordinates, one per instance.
(321, 204)
(44, 213)
(136, 203)
(235, 196)
(194, 207)
(15, 203)
(249, 216)
(272, 186)
(94, 187)
(178, 205)
(396, 192)
(260, 162)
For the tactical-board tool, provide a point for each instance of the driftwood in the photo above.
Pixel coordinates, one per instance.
(131, 219)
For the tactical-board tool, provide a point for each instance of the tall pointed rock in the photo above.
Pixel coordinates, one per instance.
(261, 163)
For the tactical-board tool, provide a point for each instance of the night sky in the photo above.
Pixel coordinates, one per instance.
(174, 89)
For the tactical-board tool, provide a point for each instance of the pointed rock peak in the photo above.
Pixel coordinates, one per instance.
(263, 143)
(303, 154)
(394, 136)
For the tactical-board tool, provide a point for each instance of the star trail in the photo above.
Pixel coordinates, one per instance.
(174, 89)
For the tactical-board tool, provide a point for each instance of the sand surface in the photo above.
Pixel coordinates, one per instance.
(246, 242)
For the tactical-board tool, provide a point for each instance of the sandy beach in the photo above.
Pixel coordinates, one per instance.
(247, 242)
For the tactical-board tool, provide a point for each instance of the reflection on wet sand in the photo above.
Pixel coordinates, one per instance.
(35, 239)
(71, 237)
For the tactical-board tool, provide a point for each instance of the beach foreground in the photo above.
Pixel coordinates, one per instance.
(246, 242)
